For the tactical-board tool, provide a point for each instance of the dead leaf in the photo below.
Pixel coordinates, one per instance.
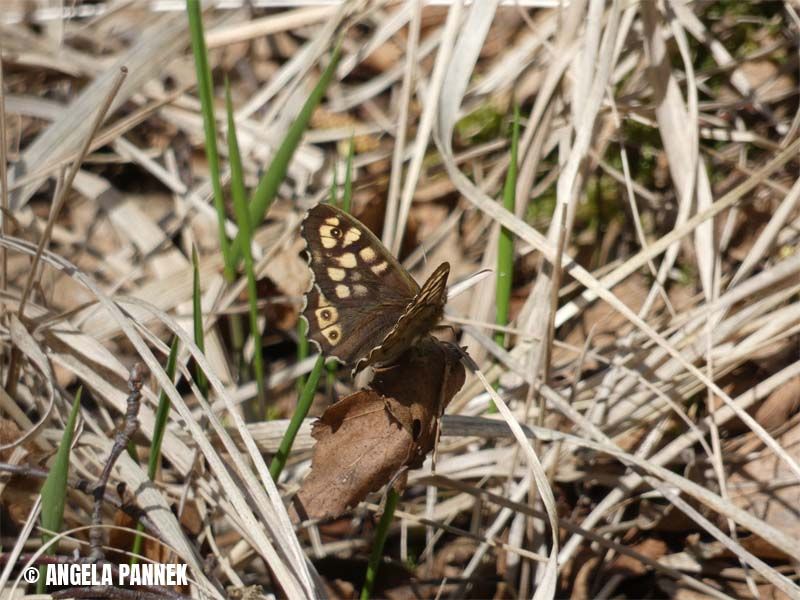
(360, 445)
(766, 488)
(605, 323)
(369, 437)
(780, 405)
(18, 492)
(584, 568)
(651, 547)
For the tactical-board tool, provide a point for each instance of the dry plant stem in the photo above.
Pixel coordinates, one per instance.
(484, 495)
(58, 202)
(551, 329)
(108, 135)
(657, 247)
(493, 542)
(449, 33)
(110, 593)
(573, 388)
(3, 174)
(533, 390)
(402, 124)
(121, 440)
(82, 485)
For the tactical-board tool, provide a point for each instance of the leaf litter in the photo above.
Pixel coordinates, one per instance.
(647, 447)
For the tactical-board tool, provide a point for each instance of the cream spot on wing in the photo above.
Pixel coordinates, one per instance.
(355, 276)
(351, 236)
(326, 316)
(380, 268)
(347, 260)
(332, 221)
(368, 254)
(330, 232)
(336, 274)
(360, 290)
(333, 334)
(322, 301)
(342, 291)
(328, 242)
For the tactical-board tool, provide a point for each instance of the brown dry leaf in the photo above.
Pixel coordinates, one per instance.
(766, 488)
(651, 547)
(450, 560)
(366, 439)
(605, 323)
(9, 433)
(17, 492)
(585, 568)
(360, 446)
(780, 405)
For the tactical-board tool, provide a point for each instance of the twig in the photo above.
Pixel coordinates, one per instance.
(85, 486)
(110, 592)
(121, 440)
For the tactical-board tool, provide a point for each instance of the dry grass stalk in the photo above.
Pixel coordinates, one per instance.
(654, 308)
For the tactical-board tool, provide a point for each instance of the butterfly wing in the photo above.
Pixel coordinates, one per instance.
(420, 316)
(359, 290)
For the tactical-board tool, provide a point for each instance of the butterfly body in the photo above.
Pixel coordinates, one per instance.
(363, 307)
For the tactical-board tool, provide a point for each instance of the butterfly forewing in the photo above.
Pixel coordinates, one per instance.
(359, 290)
(363, 306)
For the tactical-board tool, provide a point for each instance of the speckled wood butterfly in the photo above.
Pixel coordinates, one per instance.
(363, 308)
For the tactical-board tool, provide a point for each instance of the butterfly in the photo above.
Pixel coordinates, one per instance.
(363, 307)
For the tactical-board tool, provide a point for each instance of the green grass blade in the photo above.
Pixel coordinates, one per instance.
(162, 413)
(54, 490)
(302, 350)
(197, 322)
(378, 543)
(205, 89)
(267, 188)
(347, 198)
(334, 199)
(300, 412)
(505, 245)
(246, 235)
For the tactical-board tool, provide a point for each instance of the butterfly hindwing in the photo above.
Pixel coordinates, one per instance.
(363, 307)
(421, 315)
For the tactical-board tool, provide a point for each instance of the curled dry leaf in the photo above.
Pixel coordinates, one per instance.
(371, 436)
